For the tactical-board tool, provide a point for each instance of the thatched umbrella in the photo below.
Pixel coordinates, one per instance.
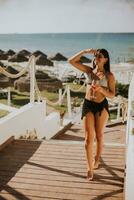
(131, 60)
(24, 52)
(10, 52)
(84, 59)
(59, 57)
(18, 58)
(39, 53)
(41, 75)
(3, 56)
(43, 80)
(51, 84)
(4, 80)
(12, 71)
(42, 60)
(22, 84)
(1, 64)
(1, 51)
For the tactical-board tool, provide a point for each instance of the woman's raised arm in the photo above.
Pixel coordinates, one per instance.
(75, 60)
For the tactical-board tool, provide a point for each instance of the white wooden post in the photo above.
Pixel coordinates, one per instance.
(69, 101)
(118, 109)
(129, 179)
(60, 95)
(45, 107)
(9, 96)
(32, 80)
(39, 99)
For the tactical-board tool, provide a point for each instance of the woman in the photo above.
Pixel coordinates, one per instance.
(95, 111)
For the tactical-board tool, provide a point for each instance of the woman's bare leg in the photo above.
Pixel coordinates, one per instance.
(100, 123)
(89, 128)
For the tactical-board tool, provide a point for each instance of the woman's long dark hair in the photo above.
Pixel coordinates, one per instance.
(106, 55)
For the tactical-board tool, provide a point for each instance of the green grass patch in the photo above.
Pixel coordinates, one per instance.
(52, 96)
(3, 113)
(21, 98)
(113, 114)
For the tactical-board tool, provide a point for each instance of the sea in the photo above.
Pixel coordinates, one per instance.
(119, 45)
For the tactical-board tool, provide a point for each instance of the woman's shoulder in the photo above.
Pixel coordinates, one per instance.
(110, 76)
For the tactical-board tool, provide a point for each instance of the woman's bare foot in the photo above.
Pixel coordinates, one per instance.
(90, 175)
(96, 164)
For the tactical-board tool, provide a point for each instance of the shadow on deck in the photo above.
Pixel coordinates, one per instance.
(112, 134)
(56, 169)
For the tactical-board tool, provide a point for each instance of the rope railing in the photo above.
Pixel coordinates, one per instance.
(79, 89)
(124, 108)
(40, 97)
(119, 103)
(57, 102)
(37, 91)
(63, 95)
(23, 71)
(31, 69)
(122, 104)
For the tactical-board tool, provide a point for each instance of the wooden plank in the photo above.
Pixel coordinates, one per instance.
(58, 171)
(46, 175)
(7, 142)
(27, 189)
(7, 196)
(63, 195)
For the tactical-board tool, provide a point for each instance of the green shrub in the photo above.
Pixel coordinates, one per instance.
(122, 89)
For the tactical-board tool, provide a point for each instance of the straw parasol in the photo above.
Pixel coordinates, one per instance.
(58, 57)
(4, 81)
(1, 64)
(84, 59)
(10, 52)
(3, 56)
(39, 53)
(1, 51)
(24, 52)
(18, 58)
(42, 60)
(44, 81)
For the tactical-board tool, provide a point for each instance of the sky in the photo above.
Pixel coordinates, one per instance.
(57, 16)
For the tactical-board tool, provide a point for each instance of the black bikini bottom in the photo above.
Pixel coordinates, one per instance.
(91, 106)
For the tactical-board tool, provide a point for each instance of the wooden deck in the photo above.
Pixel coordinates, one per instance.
(113, 134)
(56, 169)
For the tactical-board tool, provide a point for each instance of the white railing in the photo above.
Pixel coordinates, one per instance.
(123, 72)
(8, 92)
(33, 89)
(31, 68)
(29, 117)
(32, 81)
(129, 180)
(7, 107)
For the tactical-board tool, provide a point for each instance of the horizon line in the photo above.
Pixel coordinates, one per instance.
(61, 32)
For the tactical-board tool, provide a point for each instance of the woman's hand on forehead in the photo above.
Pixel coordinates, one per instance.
(92, 51)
